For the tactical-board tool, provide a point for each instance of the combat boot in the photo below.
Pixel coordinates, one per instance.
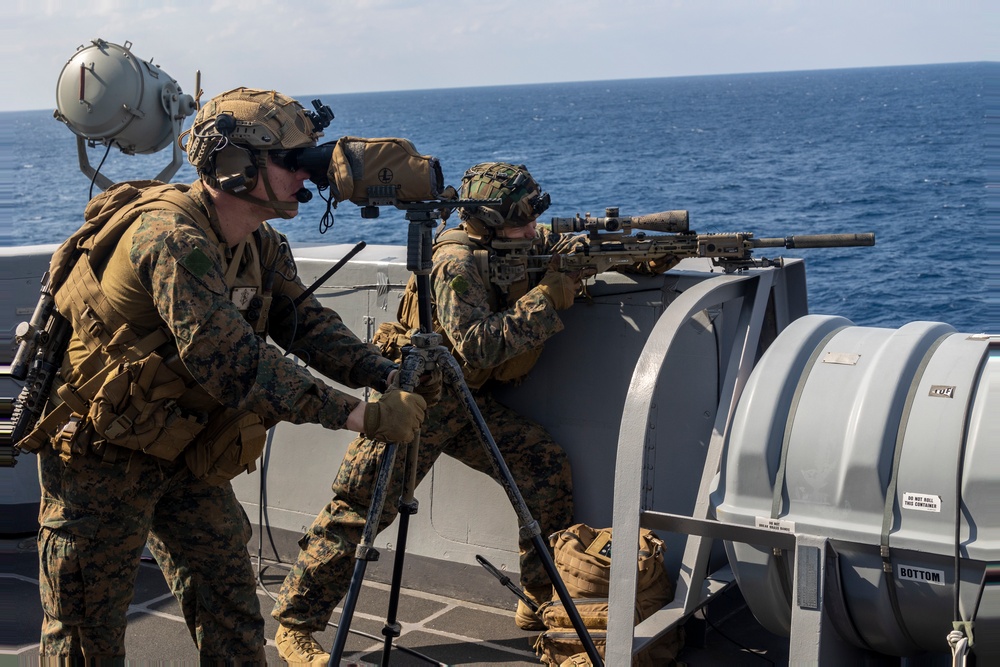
(526, 619)
(298, 648)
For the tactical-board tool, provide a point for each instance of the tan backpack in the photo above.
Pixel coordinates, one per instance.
(583, 559)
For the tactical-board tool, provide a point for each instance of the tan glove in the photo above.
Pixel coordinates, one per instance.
(559, 288)
(430, 386)
(663, 263)
(395, 417)
(568, 243)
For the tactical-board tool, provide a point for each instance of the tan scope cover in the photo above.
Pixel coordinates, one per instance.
(358, 163)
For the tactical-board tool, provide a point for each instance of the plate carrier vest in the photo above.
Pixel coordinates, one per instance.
(131, 390)
(391, 337)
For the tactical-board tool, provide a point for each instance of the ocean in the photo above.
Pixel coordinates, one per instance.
(899, 151)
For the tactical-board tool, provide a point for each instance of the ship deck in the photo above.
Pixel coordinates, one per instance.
(436, 629)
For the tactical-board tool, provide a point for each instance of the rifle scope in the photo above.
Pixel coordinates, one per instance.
(665, 221)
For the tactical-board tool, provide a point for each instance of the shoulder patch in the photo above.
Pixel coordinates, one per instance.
(197, 262)
(459, 285)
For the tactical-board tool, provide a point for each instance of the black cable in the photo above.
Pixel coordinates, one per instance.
(736, 643)
(98, 170)
(326, 222)
(293, 271)
(265, 462)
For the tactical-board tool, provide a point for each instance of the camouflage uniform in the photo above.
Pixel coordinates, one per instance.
(97, 512)
(482, 338)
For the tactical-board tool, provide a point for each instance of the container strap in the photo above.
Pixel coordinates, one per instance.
(779, 476)
(890, 490)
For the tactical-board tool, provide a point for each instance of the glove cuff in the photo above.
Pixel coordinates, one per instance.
(372, 418)
(382, 385)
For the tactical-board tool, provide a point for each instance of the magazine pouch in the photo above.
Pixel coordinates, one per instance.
(136, 409)
(229, 446)
(593, 612)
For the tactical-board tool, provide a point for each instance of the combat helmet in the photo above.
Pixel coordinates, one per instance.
(236, 133)
(521, 198)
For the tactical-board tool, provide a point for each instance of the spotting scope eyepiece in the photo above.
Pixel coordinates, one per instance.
(314, 159)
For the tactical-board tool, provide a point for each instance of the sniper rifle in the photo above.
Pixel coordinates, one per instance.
(610, 243)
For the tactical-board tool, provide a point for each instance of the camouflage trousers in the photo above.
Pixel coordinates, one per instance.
(322, 572)
(95, 519)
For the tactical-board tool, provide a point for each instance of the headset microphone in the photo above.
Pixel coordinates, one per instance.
(303, 195)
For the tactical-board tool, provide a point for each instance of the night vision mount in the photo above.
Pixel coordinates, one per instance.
(322, 117)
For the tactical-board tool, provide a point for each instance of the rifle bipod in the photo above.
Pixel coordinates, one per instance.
(426, 353)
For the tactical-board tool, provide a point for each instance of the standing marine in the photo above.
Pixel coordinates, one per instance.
(168, 385)
(496, 332)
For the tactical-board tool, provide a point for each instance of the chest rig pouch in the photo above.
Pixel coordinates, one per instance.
(508, 267)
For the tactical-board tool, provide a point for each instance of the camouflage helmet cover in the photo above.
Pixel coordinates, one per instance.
(262, 120)
(522, 200)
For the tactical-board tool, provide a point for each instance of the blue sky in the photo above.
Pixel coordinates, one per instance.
(348, 46)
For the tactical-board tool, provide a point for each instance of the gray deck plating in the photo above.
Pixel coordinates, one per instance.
(446, 629)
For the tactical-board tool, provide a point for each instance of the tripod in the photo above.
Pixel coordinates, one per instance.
(426, 353)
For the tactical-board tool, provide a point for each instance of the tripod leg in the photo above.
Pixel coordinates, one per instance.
(365, 552)
(407, 508)
(529, 528)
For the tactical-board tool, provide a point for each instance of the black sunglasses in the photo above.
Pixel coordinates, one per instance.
(288, 159)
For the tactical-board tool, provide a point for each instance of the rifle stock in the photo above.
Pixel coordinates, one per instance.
(42, 343)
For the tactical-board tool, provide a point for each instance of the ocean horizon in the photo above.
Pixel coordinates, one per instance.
(900, 151)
